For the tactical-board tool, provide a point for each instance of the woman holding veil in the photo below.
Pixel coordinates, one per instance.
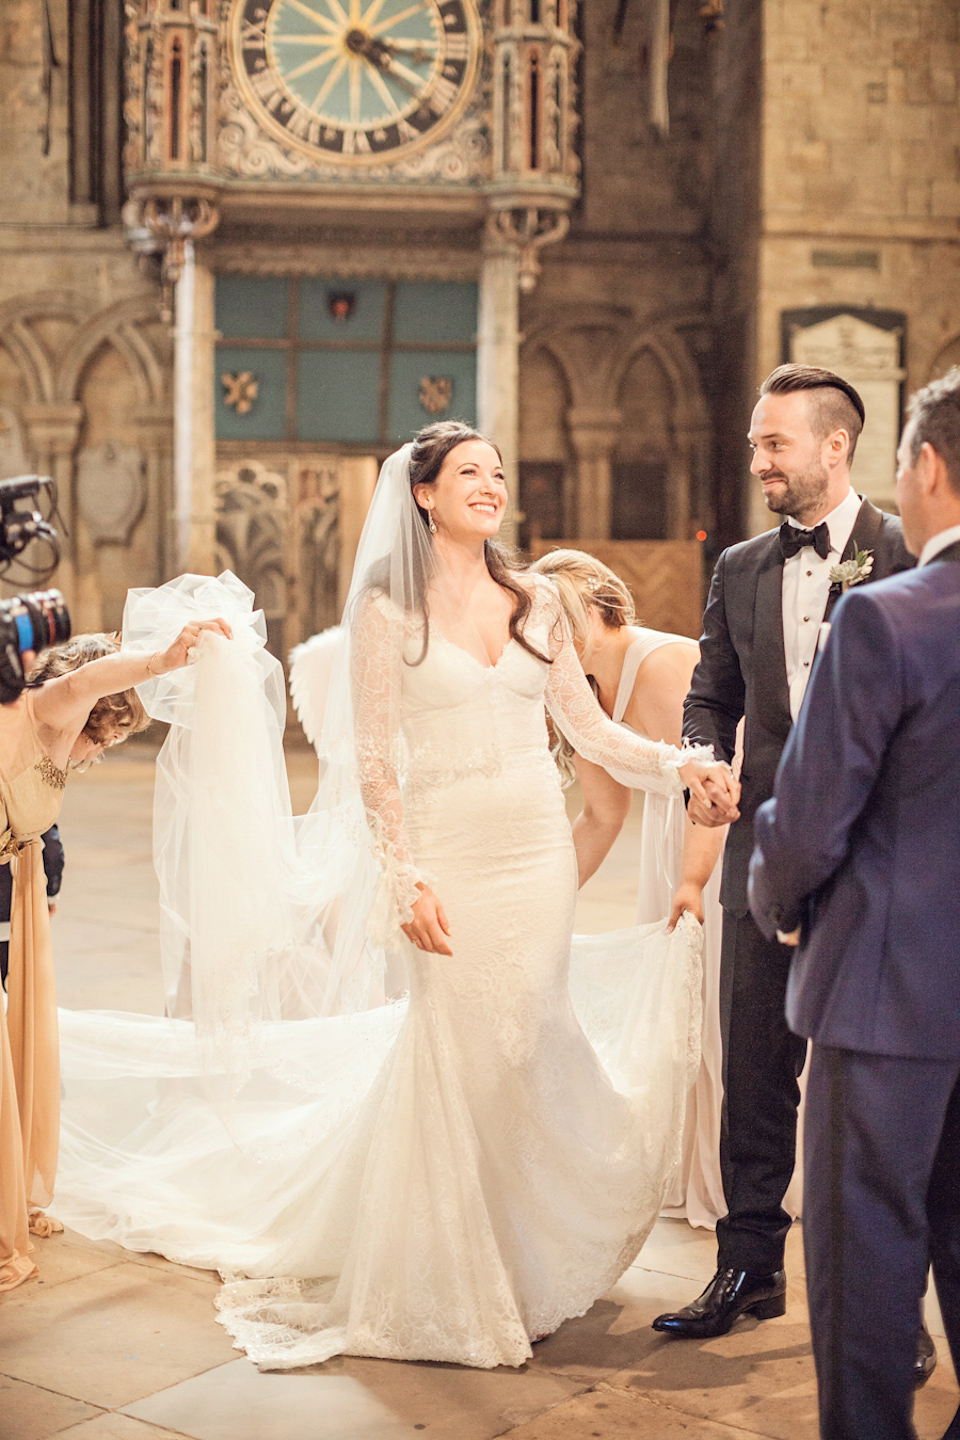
(451, 1174)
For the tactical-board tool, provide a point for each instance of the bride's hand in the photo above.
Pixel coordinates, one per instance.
(179, 652)
(714, 792)
(429, 928)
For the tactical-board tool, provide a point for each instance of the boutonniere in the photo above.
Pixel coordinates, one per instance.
(851, 572)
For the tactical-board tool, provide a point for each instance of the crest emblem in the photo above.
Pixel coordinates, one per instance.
(240, 391)
(436, 392)
(341, 304)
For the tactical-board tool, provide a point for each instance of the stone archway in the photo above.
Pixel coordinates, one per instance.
(94, 415)
(595, 347)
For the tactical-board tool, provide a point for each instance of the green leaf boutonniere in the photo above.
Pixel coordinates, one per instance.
(851, 572)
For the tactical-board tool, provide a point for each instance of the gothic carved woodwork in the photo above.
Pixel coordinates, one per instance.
(279, 530)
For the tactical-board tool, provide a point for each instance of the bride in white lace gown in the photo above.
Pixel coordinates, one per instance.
(460, 1170)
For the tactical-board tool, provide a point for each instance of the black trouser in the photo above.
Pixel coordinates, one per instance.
(762, 1060)
(881, 1200)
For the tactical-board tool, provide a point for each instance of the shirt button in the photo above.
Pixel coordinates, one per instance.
(806, 664)
(809, 572)
(806, 619)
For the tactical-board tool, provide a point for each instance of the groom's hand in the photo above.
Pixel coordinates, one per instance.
(714, 793)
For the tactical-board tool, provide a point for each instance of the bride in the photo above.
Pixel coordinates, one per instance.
(444, 1174)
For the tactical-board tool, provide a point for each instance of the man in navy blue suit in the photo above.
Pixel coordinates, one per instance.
(859, 852)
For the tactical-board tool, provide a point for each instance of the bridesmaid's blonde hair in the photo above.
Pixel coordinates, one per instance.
(581, 580)
(123, 709)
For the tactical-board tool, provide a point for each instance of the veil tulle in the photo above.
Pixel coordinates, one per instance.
(267, 918)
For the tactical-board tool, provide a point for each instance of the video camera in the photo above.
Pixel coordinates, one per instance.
(40, 618)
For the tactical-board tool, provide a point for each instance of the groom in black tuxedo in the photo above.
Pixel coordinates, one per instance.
(861, 850)
(768, 599)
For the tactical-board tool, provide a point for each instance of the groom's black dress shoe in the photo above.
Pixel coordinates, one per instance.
(926, 1361)
(730, 1294)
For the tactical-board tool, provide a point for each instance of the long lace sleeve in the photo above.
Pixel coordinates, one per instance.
(646, 764)
(375, 674)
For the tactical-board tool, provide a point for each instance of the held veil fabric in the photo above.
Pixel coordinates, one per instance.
(387, 1152)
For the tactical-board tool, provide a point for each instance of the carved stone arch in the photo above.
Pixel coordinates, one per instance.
(672, 353)
(118, 326)
(674, 479)
(586, 341)
(36, 364)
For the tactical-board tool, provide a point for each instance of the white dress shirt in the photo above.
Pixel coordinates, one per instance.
(806, 584)
(936, 543)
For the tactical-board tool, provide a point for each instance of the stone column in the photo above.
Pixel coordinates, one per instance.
(52, 434)
(593, 434)
(154, 426)
(194, 449)
(498, 362)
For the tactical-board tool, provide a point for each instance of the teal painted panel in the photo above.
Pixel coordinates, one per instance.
(407, 369)
(365, 320)
(266, 419)
(338, 393)
(251, 307)
(436, 311)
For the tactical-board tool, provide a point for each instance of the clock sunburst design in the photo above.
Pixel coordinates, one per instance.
(358, 82)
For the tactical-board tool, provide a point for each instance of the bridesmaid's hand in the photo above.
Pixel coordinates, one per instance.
(688, 899)
(179, 652)
(429, 928)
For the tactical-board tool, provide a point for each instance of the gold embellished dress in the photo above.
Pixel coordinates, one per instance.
(31, 789)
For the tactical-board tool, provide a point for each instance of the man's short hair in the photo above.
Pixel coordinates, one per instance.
(834, 404)
(935, 412)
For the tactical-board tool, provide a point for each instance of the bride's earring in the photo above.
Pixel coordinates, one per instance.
(431, 524)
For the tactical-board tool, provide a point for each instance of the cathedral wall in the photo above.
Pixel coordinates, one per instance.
(622, 307)
(735, 224)
(861, 186)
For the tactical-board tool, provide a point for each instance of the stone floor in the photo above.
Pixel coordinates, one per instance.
(107, 1345)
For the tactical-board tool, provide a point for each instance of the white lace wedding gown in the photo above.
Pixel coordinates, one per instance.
(444, 1177)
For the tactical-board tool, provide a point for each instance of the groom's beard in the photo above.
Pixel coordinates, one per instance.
(799, 495)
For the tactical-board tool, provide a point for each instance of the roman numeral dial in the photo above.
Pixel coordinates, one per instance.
(356, 82)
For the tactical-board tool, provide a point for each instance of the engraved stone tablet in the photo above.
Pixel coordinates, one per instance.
(869, 357)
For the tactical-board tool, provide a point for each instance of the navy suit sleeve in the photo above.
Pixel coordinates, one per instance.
(714, 705)
(830, 763)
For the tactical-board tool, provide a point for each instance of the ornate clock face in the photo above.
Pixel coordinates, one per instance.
(357, 82)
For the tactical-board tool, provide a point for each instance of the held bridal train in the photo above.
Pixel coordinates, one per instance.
(441, 1175)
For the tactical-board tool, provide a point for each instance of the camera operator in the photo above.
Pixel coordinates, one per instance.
(79, 699)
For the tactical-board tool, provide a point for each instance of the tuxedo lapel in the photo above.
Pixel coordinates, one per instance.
(863, 536)
(769, 656)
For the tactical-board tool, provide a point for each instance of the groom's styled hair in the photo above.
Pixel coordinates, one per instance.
(935, 411)
(834, 403)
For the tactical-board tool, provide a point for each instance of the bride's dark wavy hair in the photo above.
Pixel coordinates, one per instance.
(430, 448)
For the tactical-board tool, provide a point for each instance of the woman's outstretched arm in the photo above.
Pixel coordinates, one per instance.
(62, 705)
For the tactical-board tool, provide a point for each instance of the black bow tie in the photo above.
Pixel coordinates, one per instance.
(793, 539)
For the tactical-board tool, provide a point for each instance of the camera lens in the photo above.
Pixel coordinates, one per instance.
(28, 622)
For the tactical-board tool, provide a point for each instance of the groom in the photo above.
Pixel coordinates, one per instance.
(861, 847)
(768, 598)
